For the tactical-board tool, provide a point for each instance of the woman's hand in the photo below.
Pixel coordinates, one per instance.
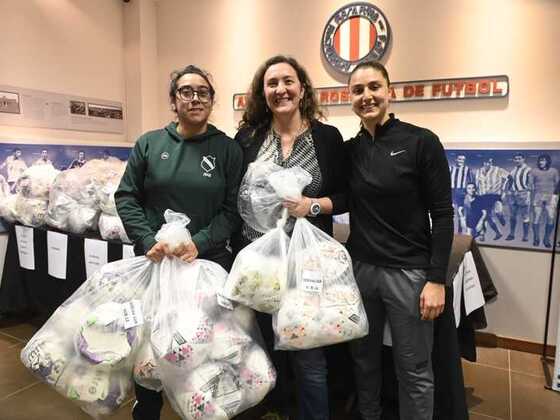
(158, 251)
(298, 208)
(432, 301)
(187, 252)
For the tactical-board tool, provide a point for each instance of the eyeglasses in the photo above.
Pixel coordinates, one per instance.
(187, 93)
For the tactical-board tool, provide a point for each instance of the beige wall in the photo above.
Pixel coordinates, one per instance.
(65, 46)
(92, 48)
(431, 39)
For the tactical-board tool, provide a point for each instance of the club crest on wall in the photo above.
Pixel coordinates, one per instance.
(355, 33)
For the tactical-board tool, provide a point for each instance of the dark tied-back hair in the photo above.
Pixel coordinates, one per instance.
(257, 115)
(375, 65)
(190, 69)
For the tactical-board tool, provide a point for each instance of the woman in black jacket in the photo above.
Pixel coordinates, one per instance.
(281, 124)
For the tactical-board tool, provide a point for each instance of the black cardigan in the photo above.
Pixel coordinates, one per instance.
(330, 156)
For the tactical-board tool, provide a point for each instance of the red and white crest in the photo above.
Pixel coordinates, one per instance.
(355, 33)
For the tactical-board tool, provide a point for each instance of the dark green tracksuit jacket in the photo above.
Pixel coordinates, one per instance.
(198, 176)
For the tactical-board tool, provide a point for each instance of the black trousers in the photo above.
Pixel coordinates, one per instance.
(149, 403)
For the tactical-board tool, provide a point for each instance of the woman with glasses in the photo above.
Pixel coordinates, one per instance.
(188, 166)
(281, 124)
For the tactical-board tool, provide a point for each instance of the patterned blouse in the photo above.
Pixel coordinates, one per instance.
(303, 155)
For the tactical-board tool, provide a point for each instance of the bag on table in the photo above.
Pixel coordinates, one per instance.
(33, 188)
(73, 202)
(322, 305)
(263, 189)
(111, 228)
(86, 349)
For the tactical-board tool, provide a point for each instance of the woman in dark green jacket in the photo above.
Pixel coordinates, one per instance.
(191, 167)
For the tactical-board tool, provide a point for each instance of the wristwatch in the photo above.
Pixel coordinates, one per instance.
(315, 209)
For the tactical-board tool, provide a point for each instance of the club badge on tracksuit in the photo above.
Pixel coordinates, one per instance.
(208, 164)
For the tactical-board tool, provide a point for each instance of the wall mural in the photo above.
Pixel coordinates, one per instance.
(506, 198)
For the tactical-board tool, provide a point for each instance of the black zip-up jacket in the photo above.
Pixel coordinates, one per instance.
(329, 147)
(398, 182)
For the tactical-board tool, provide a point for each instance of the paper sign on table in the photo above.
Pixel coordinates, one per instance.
(127, 251)
(24, 236)
(95, 253)
(57, 254)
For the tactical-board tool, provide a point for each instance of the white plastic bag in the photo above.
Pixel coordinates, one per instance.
(86, 350)
(32, 190)
(111, 227)
(323, 304)
(258, 276)
(263, 189)
(73, 202)
(30, 211)
(37, 181)
(201, 345)
(8, 207)
(174, 231)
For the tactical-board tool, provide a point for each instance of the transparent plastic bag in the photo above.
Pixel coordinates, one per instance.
(73, 203)
(236, 374)
(37, 181)
(200, 345)
(30, 211)
(112, 170)
(146, 372)
(182, 328)
(86, 349)
(8, 207)
(258, 276)
(111, 227)
(323, 304)
(4, 187)
(106, 197)
(174, 231)
(32, 194)
(263, 189)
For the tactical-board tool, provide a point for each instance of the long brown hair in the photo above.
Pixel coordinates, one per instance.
(257, 115)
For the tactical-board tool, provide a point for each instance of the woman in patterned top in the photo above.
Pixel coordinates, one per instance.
(280, 124)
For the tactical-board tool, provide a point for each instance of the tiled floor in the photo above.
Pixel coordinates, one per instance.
(508, 385)
(503, 385)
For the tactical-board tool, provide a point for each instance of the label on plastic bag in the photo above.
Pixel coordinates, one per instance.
(312, 281)
(224, 302)
(132, 314)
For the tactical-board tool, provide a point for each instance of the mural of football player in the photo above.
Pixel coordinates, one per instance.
(43, 159)
(461, 175)
(15, 166)
(544, 180)
(474, 213)
(519, 187)
(490, 185)
(79, 161)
